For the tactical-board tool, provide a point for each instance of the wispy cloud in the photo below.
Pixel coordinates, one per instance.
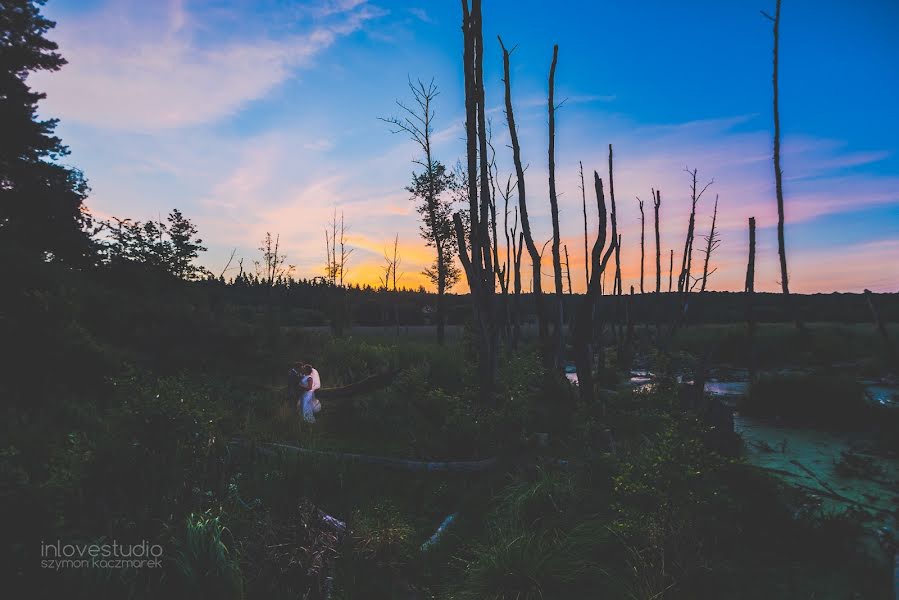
(147, 73)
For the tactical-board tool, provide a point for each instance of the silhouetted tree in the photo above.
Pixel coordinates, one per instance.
(170, 247)
(186, 247)
(582, 331)
(683, 280)
(586, 244)
(750, 292)
(273, 267)
(537, 285)
(642, 241)
(476, 255)
(713, 240)
(554, 213)
(778, 172)
(428, 189)
(41, 202)
(657, 202)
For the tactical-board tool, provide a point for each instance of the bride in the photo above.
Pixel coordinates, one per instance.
(308, 404)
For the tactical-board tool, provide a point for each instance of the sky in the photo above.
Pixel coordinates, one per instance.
(255, 116)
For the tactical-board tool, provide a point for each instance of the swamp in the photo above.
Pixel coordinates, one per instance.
(450, 417)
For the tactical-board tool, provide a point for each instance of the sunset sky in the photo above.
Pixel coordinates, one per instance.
(262, 115)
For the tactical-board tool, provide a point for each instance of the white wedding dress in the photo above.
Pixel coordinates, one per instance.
(309, 404)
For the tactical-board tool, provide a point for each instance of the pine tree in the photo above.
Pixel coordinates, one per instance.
(41, 212)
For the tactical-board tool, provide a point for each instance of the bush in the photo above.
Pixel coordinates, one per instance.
(832, 401)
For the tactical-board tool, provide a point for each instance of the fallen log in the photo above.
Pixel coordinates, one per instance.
(363, 386)
(456, 466)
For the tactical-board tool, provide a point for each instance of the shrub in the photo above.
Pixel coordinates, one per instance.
(833, 401)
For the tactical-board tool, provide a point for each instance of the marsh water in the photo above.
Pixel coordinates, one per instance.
(807, 457)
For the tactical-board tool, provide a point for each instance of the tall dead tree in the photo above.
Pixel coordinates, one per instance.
(337, 251)
(617, 283)
(616, 288)
(778, 173)
(391, 266)
(567, 269)
(750, 293)
(713, 240)
(670, 269)
(583, 326)
(537, 287)
(657, 202)
(517, 247)
(683, 280)
(557, 342)
(642, 242)
(478, 264)
(586, 246)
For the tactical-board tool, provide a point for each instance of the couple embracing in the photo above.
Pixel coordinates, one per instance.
(303, 381)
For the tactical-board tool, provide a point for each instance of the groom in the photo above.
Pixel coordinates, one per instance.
(310, 381)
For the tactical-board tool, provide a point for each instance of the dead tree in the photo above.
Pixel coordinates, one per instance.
(583, 326)
(517, 247)
(750, 293)
(586, 246)
(616, 288)
(670, 269)
(778, 174)
(337, 251)
(503, 272)
(642, 241)
(683, 280)
(657, 202)
(478, 264)
(392, 264)
(713, 240)
(537, 287)
(274, 264)
(567, 269)
(557, 342)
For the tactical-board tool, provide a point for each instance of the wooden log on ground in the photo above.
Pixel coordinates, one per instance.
(369, 384)
(455, 466)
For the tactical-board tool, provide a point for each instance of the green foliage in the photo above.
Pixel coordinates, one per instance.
(204, 562)
(547, 496)
(516, 563)
(381, 534)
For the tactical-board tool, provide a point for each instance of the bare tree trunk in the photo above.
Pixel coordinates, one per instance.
(750, 293)
(396, 299)
(642, 241)
(683, 280)
(711, 244)
(557, 341)
(778, 175)
(670, 269)
(657, 202)
(478, 266)
(567, 269)
(534, 253)
(583, 327)
(586, 248)
(516, 318)
(617, 286)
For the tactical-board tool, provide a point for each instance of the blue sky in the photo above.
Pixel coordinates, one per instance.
(255, 116)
